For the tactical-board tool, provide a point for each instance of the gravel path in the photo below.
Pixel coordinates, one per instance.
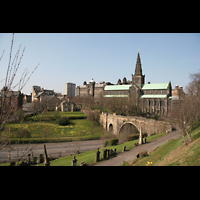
(131, 155)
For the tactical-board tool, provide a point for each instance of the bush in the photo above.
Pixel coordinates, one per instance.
(46, 118)
(133, 137)
(114, 141)
(105, 143)
(144, 135)
(156, 117)
(196, 136)
(142, 154)
(93, 116)
(63, 121)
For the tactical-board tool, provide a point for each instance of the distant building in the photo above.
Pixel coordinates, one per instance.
(153, 98)
(91, 89)
(27, 98)
(53, 102)
(40, 94)
(70, 89)
(66, 106)
(11, 99)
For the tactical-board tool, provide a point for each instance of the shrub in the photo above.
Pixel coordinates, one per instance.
(133, 137)
(93, 116)
(144, 135)
(196, 136)
(63, 121)
(142, 154)
(156, 117)
(106, 143)
(114, 141)
(46, 118)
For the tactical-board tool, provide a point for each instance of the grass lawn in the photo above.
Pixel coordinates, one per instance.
(89, 156)
(173, 153)
(50, 131)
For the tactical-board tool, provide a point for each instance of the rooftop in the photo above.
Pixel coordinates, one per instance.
(117, 87)
(155, 86)
(153, 96)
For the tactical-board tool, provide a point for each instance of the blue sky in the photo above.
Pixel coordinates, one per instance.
(79, 57)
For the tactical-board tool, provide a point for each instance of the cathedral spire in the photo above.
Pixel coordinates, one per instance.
(138, 78)
(138, 68)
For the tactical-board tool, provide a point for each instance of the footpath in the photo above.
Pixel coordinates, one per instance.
(130, 155)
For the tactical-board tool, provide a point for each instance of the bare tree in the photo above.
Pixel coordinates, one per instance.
(12, 68)
(187, 112)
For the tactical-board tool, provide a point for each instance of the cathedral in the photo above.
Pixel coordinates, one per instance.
(152, 98)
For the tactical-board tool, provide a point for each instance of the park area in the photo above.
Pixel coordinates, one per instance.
(46, 127)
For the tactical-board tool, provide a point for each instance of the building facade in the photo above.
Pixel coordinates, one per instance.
(11, 99)
(152, 98)
(70, 89)
(91, 89)
(41, 94)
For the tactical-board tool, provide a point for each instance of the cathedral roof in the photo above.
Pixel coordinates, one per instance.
(155, 86)
(117, 87)
(153, 96)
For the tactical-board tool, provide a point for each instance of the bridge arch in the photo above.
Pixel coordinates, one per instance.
(137, 127)
(110, 128)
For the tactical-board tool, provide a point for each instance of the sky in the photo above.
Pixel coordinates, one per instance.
(79, 57)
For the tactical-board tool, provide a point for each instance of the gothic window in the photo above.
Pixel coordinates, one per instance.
(148, 92)
(159, 92)
(162, 103)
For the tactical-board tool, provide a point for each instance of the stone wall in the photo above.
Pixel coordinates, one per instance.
(149, 126)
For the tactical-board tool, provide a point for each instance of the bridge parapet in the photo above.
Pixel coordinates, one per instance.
(114, 123)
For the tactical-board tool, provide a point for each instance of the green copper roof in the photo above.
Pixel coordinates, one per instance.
(153, 96)
(155, 86)
(117, 87)
(115, 96)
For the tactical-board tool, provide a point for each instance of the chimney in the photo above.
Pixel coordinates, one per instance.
(181, 89)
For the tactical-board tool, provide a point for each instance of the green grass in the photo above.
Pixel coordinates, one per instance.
(191, 156)
(62, 114)
(158, 154)
(50, 131)
(89, 156)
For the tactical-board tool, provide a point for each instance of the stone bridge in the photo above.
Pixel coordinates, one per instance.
(114, 123)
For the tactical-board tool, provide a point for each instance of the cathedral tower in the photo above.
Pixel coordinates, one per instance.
(138, 78)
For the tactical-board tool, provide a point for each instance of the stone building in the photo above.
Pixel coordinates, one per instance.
(153, 98)
(41, 94)
(11, 99)
(53, 102)
(91, 89)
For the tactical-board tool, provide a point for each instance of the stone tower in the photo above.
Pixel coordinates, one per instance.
(91, 87)
(138, 78)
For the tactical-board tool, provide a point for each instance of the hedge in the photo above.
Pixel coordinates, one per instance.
(114, 141)
(142, 154)
(133, 137)
(136, 136)
(52, 140)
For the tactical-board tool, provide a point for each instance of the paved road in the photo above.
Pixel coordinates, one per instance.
(53, 149)
(131, 155)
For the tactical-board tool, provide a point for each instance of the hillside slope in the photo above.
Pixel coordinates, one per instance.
(174, 153)
(184, 155)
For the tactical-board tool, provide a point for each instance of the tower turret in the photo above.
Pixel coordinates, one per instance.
(138, 78)
(138, 68)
